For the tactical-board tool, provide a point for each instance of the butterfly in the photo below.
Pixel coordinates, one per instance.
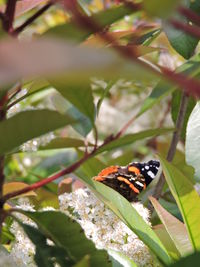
(129, 180)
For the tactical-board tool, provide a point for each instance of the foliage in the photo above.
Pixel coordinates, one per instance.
(89, 84)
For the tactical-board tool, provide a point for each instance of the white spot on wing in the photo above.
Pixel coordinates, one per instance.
(151, 174)
(140, 184)
(146, 167)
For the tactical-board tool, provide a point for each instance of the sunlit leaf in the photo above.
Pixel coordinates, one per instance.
(119, 259)
(27, 125)
(192, 140)
(175, 228)
(166, 240)
(186, 198)
(14, 186)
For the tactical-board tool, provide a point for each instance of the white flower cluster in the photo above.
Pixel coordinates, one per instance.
(104, 228)
(7, 260)
(23, 250)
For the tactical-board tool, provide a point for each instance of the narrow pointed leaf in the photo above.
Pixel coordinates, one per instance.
(175, 228)
(193, 141)
(166, 240)
(186, 198)
(131, 138)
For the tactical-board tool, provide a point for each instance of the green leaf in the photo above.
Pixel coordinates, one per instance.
(166, 240)
(80, 95)
(103, 18)
(182, 42)
(104, 94)
(131, 138)
(68, 234)
(178, 161)
(119, 259)
(160, 9)
(186, 198)
(27, 125)
(46, 255)
(63, 142)
(175, 228)
(162, 89)
(125, 211)
(175, 105)
(84, 125)
(189, 261)
(192, 140)
(85, 262)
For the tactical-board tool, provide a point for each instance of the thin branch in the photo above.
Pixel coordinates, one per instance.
(2, 176)
(32, 19)
(125, 127)
(190, 15)
(9, 15)
(47, 180)
(174, 142)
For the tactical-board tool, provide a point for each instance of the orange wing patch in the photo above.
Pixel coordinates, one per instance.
(134, 169)
(122, 179)
(109, 170)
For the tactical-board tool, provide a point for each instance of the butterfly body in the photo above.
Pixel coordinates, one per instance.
(129, 180)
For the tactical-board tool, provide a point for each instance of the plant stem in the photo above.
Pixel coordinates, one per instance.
(32, 19)
(9, 15)
(174, 142)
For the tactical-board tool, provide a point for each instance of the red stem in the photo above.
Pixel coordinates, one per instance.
(32, 19)
(46, 180)
(190, 29)
(190, 15)
(9, 15)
